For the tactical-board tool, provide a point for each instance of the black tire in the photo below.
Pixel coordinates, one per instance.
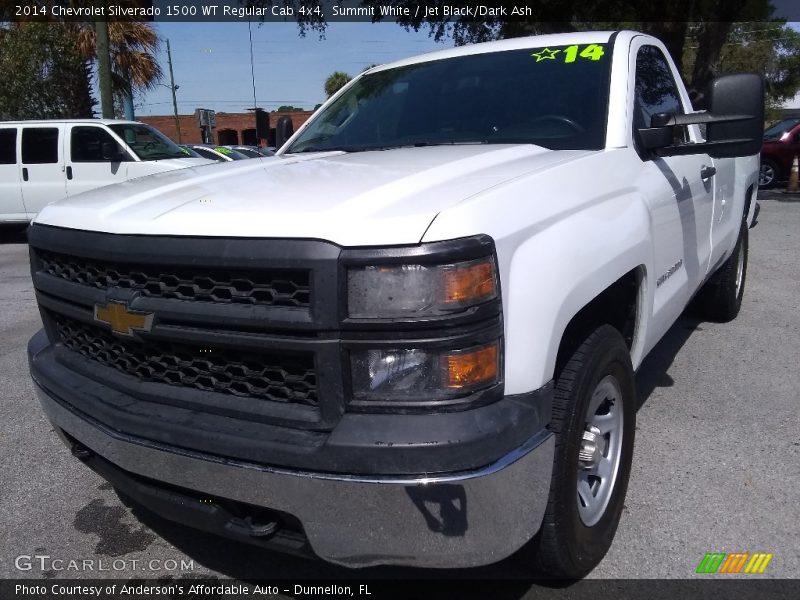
(721, 297)
(565, 546)
(769, 174)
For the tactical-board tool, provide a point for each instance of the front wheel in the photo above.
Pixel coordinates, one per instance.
(594, 416)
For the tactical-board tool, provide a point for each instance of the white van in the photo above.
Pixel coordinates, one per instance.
(44, 161)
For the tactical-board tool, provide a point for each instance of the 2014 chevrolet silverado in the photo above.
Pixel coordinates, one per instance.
(410, 337)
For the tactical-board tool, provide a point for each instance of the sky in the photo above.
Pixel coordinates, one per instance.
(211, 62)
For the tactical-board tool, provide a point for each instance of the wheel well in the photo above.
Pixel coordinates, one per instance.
(617, 306)
(748, 198)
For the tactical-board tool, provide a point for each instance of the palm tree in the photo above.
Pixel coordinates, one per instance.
(133, 46)
(336, 81)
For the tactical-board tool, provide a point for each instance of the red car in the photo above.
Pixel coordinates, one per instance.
(781, 145)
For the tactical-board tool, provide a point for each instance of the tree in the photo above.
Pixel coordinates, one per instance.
(336, 81)
(771, 48)
(706, 23)
(699, 32)
(289, 108)
(43, 75)
(132, 46)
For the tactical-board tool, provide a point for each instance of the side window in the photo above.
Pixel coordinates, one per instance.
(39, 145)
(86, 144)
(8, 146)
(655, 90)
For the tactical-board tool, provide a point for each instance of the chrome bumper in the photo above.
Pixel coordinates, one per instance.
(455, 520)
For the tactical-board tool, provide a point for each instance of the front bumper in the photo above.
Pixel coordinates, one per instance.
(462, 519)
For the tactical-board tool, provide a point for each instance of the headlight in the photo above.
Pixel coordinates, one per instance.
(419, 290)
(419, 375)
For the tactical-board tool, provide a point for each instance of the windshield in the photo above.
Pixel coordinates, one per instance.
(777, 130)
(230, 153)
(249, 152)
(148, 143)
(554, 97)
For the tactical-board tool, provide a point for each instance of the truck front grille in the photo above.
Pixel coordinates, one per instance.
(269, 287)
(283, 377)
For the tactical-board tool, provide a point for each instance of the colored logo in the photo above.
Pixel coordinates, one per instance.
(736, 562)
(545, 54)
(122, 320)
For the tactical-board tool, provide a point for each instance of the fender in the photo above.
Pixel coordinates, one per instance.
(559, 251)
(543, 296)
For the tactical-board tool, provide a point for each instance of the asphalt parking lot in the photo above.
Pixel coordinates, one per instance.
(715, 464)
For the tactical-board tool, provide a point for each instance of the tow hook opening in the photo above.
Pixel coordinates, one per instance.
(79, 451)
(253, 527)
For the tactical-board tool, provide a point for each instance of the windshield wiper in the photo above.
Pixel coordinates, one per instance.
(317, 149)
(165, 155)
(422, 144)
(332, 149)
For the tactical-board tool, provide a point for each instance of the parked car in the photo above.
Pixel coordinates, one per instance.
(43, 161)
(781, 145)
(253, 151)
(217, 153)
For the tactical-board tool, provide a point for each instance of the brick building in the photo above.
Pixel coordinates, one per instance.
(232, 128)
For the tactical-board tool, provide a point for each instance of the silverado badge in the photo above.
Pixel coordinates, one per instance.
(122, 320)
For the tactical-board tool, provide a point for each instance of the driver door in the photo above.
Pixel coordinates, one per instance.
(677, 189)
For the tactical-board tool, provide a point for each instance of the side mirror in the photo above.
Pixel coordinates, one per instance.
(734, 122)
(740, 94)
(112, 152)
(660, 134)
(283, 130)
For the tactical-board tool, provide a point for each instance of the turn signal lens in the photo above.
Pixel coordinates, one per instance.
(469, 283)
(471, 368)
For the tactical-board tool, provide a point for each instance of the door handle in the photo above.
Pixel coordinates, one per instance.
(707, 172)
(24, 174)
(69, 172)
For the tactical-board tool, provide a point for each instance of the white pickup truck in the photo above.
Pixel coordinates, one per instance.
(410, 337)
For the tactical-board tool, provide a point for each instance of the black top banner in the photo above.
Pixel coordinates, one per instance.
(404, 11)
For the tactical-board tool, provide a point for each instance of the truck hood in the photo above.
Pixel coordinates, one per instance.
(368, 198)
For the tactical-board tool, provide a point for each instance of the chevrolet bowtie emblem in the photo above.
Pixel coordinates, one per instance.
(122, 320)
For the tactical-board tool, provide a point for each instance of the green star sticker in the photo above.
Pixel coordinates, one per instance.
(545, 54)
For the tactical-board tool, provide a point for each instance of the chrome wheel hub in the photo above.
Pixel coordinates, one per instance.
(592, 449)
(765, 175)
(600, 450)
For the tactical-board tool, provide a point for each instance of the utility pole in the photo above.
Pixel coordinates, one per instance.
(253, 79)
(104, 69)
(173, 87)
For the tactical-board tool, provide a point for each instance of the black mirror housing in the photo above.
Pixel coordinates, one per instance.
(284, 129)
(738, 94)
(655, 137)
(734, 123)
